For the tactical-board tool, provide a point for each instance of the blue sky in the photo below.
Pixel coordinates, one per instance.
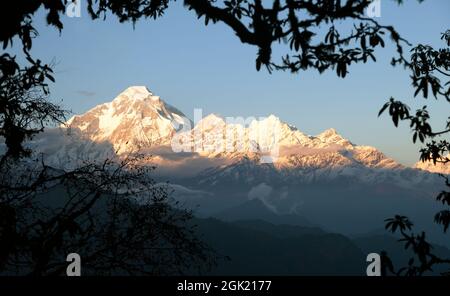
(193, 66)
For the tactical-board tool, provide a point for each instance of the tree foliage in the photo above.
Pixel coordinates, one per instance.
(430, 72)
(310, 29)
(95, 212)
(111, 212)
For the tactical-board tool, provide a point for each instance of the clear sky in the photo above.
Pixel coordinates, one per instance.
(193, 66)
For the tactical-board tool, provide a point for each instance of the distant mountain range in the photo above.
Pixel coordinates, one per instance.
(219, 164)
(438, 167)
(256, 247)
(137, 120)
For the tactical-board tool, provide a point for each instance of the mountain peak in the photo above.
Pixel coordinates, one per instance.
(331, 136)
(134, 119)
(136, 93)
(273, 118)
(138, 89)
(212, 119)
(329, 132)
(438, 167)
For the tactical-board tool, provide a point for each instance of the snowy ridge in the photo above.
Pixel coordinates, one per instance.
(138, 120)
(133, 119)
(438, 167)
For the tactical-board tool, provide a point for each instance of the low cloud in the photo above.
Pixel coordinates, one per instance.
(182, 164)
(262, 192)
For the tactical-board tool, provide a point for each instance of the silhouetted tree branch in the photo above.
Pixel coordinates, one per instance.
(111, 213)
(96, 212)
(429, 67)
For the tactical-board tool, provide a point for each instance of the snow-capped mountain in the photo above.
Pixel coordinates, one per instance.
(438, 167)
(135, 118)
(216, 148)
